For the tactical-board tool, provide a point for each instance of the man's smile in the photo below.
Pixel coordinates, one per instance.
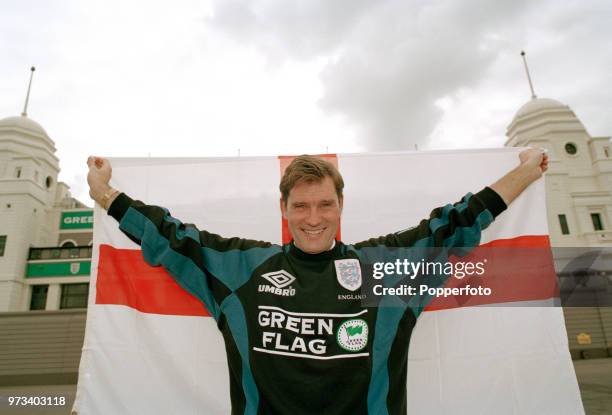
(314, 232)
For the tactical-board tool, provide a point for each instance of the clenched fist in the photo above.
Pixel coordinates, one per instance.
(536, 159)
(533, 164)
(98, 178)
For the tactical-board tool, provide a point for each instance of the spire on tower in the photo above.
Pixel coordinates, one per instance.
(25, 106)
(533, 95)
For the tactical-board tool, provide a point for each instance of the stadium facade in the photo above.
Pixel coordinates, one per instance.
(46, 239)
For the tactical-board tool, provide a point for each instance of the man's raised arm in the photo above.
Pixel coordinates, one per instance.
(461, 224)
(163, 240)
(533, 163)
(210, 274)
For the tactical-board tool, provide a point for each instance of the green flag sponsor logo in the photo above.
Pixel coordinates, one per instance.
(352, 335)
(77, 220)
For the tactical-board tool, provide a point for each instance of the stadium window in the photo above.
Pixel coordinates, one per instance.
(74, 295)
(2, 244)
(607, 151)
(39, 297)
(571, 149)
(18, 172)
(597, 223)
(35, 253)
(563, 224)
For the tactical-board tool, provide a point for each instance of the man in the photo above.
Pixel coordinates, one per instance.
(293, 346)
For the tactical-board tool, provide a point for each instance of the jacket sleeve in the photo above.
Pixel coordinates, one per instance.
(453, 225)
(206, 265)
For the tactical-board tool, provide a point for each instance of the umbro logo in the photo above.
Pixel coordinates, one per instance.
(280, 281)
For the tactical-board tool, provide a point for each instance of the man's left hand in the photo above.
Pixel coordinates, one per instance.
(536, 159)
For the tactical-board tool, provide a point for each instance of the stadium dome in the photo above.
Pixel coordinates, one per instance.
(538, 104)
(23, 123)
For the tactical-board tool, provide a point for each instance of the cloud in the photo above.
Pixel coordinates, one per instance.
(302, 29)
(389, 63)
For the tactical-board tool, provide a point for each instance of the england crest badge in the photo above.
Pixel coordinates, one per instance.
(348, 272)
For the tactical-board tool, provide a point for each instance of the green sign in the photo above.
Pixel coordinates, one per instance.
(77, 220)
(58, 269)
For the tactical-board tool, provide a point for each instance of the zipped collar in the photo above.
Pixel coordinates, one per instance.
(321, 256)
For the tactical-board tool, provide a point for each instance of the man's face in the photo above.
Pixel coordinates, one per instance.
(313, 210)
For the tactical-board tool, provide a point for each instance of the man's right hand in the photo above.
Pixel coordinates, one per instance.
(98, 178)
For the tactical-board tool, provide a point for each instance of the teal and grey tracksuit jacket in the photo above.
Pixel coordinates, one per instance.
(298, 336)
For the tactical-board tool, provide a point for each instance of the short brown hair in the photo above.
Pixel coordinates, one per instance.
(307, 168)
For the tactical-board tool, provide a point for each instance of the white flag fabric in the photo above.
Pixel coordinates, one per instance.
(140, 357)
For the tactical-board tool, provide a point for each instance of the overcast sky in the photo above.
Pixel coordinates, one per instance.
(197, 78)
